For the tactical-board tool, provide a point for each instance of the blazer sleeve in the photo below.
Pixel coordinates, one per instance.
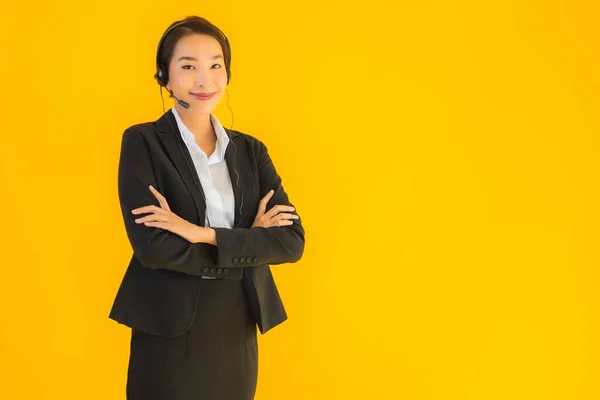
(239, 247)
(154, 247)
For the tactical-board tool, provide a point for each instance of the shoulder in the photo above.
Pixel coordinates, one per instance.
(139, 138)
(251, 142)
(142, 128)
(143, 133)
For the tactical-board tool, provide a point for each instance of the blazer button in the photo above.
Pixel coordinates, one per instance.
(225, 271)
(248, 260)
(242, 260)
(205, 270)
(235, 260)
(219, 271)
(212, 270)
(255, 259)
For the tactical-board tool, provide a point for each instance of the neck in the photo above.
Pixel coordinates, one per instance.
(198, 124)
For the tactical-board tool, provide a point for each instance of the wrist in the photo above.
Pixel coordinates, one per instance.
(206, 235)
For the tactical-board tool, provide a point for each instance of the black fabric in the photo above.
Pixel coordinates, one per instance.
(216, 359)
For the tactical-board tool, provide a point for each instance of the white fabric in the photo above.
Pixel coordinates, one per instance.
(213, 173)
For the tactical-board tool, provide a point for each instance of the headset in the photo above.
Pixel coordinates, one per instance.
(162, 78)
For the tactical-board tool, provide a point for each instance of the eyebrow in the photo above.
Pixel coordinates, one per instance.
(188, 58)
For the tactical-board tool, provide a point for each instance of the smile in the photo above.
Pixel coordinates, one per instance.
(203, 96)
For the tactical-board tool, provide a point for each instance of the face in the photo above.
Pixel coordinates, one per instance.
(197, 67)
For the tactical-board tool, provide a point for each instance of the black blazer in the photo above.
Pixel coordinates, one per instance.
(159, 290)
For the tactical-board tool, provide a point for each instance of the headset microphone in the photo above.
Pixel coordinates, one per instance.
(181, 102)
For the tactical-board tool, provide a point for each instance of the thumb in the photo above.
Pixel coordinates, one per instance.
(262, 207)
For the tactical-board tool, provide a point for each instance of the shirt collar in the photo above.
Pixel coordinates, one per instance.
(190, 139)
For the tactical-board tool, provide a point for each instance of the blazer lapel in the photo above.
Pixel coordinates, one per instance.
(179, 154)
(232, 158)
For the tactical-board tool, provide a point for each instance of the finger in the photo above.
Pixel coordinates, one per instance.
(262, 205)
(161, 199)
(147, 209)
(284, 222)
(285, 216)
(152, 218)
(279, 208)
(161, 225)
(268, 195)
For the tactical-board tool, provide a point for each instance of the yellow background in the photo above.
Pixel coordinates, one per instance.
(443, 155)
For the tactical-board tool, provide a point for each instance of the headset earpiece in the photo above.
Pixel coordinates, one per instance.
(159, 76)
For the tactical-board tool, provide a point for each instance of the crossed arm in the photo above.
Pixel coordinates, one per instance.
(195, 248)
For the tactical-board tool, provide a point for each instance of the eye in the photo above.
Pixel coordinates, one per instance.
(185, 66)
(219, 65)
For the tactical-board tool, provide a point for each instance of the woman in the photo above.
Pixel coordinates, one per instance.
(206, 214)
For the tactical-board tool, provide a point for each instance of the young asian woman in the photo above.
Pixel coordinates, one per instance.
(206, 214)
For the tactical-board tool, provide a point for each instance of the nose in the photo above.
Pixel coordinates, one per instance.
(203, 78)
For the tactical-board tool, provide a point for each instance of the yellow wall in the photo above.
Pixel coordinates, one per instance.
(443, 155)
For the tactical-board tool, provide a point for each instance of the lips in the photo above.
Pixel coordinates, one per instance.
(203, 96)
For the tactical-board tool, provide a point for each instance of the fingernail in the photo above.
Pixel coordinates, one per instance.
(133, 211)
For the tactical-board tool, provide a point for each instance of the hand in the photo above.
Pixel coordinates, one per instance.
(165, 219)
(274, 217)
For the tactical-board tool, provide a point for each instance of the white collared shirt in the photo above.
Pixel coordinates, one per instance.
(213, 174)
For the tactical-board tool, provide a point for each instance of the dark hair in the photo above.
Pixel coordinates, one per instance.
(189, 25)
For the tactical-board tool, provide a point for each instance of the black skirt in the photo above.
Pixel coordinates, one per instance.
(216, 359)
